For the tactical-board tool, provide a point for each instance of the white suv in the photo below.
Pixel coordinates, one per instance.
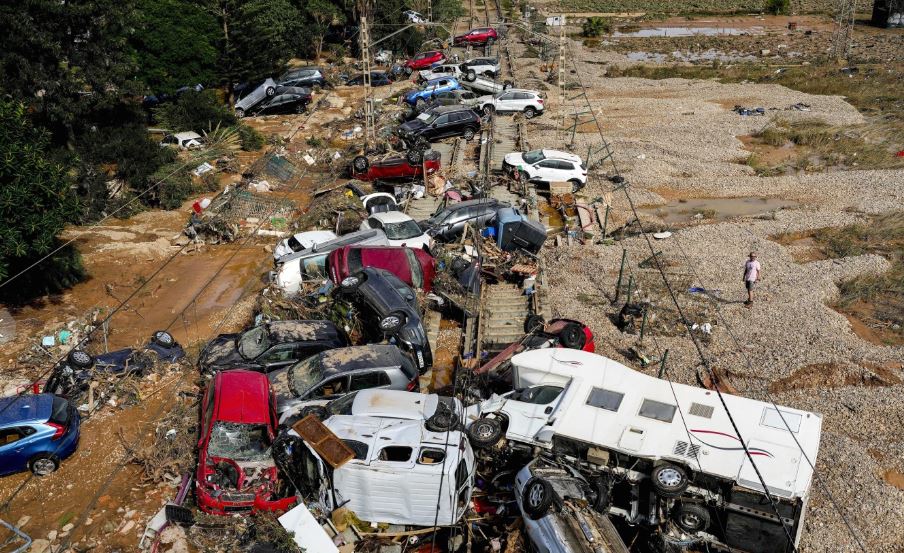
(438, 71)
(546, 166)
(513, 100)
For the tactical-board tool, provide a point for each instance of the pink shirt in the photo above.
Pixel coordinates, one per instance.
(751, 270)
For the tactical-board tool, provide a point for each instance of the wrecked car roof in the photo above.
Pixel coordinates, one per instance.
(379, 432)
(355, 358)
(395, 404)
(292, 331)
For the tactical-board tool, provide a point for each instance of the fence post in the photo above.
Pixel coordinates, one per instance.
(665, 355)
(630, 287)
(606, 221)
(643, 323)
(621, 271)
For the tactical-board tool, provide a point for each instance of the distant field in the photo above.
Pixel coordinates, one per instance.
(679, 6)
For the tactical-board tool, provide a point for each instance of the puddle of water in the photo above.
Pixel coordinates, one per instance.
(707, 55)
(688, 31)
(551, 218)
(716, 209)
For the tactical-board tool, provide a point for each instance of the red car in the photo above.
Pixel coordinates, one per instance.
(476, 37)
(413, 266)
(424, 60)
(236, 472)
(409, 166)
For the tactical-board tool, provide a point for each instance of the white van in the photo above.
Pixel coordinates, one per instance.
(649, 438)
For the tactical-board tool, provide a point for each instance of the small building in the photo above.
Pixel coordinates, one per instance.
(555, 21)
(888, 13)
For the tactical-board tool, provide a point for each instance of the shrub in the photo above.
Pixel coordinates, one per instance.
(596, 26)
(778, 7)
(195, 111)
(250, 139)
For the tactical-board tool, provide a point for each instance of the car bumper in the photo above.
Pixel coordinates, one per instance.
(217, 506)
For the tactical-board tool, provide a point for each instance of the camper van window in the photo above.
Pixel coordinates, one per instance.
(538, 395)
(605, 399)
(430, 456)
(657, 410)
(773, 419)
(461, 475)
(396, 454)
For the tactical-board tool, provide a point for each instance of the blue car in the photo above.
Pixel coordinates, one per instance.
(431, 88)
(37, 431)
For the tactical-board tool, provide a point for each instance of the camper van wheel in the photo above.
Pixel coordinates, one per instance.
(572, 336)
(485, 432)
(441, 421)
(669, 480)
(80, 359)
(360, 164)
(537, 497)
(692, 517)
(603, 499)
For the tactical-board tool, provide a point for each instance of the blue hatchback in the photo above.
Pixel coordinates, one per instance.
(37, 431)
(432, 88)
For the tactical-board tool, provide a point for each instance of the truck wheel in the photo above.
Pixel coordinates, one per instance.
(485, 432)
(529, 112)
(692, 517)
(164, 339)
(468, 134)
(415, 157)
(537, 497)
(669, 480)
(572, 336)
(360, 164)
(80, 359)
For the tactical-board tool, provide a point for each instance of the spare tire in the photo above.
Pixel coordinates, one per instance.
(414, 157)
(163, 338)
(572, 336)
(80, 359)
(537, 497)
(360, 164)
(669, 480)
(441, 421)
(485, 432)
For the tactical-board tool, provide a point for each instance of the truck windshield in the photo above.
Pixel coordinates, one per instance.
(254, 342)
(239, 442)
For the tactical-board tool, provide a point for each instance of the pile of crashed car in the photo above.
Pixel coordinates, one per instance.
(331, 422)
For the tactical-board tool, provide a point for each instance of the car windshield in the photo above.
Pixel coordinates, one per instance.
(254, 342)
(314, 268)
(304, 375)
(294, 244)
(426, 117)
(239, 442)
(533, 157)
(402, 231)
(60, 411)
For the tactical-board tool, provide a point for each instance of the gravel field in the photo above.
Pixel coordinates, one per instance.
(679, 138)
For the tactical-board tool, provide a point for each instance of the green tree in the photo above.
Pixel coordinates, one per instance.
(596, 26)
(35, 203)
(778, 7)
(174, 45)
(323, 15)
(195, 111)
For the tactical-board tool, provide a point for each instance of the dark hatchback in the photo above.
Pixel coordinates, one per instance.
(304, 76)
(388, 308)
(377, 78)
(287, 99)
(440, 122)
(449, 223)
(270, 346)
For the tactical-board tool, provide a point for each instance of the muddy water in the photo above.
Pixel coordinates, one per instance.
(688, 31)
(716, 209)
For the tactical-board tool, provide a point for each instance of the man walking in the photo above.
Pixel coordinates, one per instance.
(751, 276)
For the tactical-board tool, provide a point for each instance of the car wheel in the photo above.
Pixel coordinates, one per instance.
(576, 185)
(534, 323)
(572, 336)
(485, 432)
(239, 112)
(537, 497)
(164, 339)
(420, 104)
(441, 421)
(529, 112)
(468, 134)
(80, 359)
(488, 109)
(523, 176)
(300, 108)
(350, 283)
(43, 464)
(415, 157)
(271, 91)
(392, 322)
(361, 164)
(692, 517)
(669, 480)
(471, 76)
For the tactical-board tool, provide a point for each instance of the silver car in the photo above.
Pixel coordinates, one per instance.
(252, 95)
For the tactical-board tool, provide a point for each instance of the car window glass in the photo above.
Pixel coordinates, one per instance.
(332, 387)
(10, 435)
(507, 96)
(360, 449)
(657, 410)
(343, 405)
(461, 474)
(442, 120)
(402, 230)
(354, 260)
(396, 454)
(374, 223)
(467, 95)
(417, 275)
(565, 165)
(373, 379)
(304, 374)
(239, 442)
(539, 395)
(314, 267)
(282, 352)
(522, 96)
(549, 164)
(60, 411)
(605, 399)
(254, 342)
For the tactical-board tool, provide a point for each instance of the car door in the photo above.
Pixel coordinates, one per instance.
(276, 357)
(531, 411)
(15, 448)
(440, 127)
(522, 100)
(505, 102)
(546, 171)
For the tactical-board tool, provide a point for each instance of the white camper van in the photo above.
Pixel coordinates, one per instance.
(661, 449)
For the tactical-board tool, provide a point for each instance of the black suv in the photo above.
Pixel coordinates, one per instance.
(449, 223)
(304, 76)
(388, 308)
(439, 122)
(270, 346)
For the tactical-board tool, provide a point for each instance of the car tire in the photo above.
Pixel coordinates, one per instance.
(43, 464)
(80, 359)
(271, 91)
(533, 323)
(163, 338)
(537, 497)
(692, 517)
(361, 164)
(395, 327)
(468, 134)
(576, 185)
(489, 109)
(442, 421)
(669, 480)
(414, 157)
(301, 108)
(523, 176)
(471, 76)
(530, 112)
(485, 432)
(572, 336)
(239, 112)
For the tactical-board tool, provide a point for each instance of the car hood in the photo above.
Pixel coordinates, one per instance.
(221, 352)
(514, 159)
(485, 98)
(412, 126)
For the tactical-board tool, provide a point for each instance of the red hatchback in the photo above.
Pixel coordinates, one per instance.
(236, 472)
(424, 60)
(413, 266)
(476, 37)
(409, 166)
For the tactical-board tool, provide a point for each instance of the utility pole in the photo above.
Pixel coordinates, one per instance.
(844, 28)
(563, 99)
(370, 133)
